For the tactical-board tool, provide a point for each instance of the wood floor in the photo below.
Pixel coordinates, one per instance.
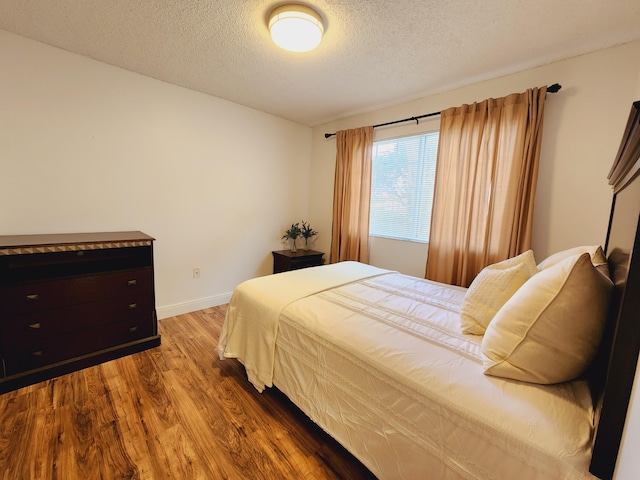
(173, 412)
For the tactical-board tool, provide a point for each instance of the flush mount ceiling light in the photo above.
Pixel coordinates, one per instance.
(296, 28)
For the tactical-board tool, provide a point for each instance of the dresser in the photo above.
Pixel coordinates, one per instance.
(285, 260)
(69, 301)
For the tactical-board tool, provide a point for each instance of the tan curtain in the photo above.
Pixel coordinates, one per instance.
(485, 185)
(351, 196)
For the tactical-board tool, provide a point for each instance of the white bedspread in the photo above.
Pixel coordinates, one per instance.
(251, 325)
(377, 359)
(381, 365)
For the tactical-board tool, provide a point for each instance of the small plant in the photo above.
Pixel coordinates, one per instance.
(296, 231)
(293, 233)
(307, 232)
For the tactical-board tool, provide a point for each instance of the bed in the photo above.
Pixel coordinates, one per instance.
(423, 380)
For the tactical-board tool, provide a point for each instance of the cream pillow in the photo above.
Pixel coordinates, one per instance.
(595, 251)
(550, 329)
(491, 288)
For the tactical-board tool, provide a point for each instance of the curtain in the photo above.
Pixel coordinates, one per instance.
(351, 195)
(485, 185)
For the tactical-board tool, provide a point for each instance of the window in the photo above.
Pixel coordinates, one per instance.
(402, 178)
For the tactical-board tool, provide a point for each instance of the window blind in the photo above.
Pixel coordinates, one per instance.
(402, 180)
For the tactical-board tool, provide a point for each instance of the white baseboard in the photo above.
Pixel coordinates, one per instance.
(180, 308)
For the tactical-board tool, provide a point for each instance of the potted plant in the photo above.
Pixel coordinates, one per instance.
(292, 234)
(307, 232)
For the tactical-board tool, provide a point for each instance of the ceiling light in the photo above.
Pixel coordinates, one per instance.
(296, 28)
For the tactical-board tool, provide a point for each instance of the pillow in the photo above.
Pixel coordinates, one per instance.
(595, 251)
(550, 329)
(493, 286)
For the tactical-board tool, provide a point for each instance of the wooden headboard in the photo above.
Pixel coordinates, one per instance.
(622, 340)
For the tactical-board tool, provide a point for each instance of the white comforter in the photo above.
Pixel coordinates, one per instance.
(250, 328)
(379, 363)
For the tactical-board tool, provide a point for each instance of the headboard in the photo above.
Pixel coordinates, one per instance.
(622, 340)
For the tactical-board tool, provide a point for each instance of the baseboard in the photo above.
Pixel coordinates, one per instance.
(180, 308)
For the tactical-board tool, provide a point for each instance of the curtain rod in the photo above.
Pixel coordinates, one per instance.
(550, 89)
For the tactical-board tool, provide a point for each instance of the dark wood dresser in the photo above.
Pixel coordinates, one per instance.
(69, 301)
(285, 260)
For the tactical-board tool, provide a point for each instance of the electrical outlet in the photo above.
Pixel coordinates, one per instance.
(196, 273)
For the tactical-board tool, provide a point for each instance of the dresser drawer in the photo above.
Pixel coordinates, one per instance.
(66, 264)
(29, 328)
(39, 296)
(75, 344)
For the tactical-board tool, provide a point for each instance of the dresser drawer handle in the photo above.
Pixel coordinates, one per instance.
(34, 326)
(39, 353)
(133, 306)
(32, 297)
(130, 283)
(133, 329)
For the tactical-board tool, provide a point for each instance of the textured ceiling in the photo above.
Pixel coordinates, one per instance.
(374, 52)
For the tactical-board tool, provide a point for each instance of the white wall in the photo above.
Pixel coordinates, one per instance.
(90, 147)
(583, 126)
(402, 256)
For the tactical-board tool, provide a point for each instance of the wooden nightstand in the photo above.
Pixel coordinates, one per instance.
(285, 260)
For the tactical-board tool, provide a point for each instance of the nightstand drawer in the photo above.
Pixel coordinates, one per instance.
(38, 296)
(302, 262)
(285, 260)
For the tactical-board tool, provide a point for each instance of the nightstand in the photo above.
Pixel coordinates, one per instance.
(285, 260)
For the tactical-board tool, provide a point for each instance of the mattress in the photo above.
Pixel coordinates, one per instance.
(380, 364)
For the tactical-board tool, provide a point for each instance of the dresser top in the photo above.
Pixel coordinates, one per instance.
(18, 244)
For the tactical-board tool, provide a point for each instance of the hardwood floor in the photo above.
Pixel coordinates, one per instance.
(173, 412)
